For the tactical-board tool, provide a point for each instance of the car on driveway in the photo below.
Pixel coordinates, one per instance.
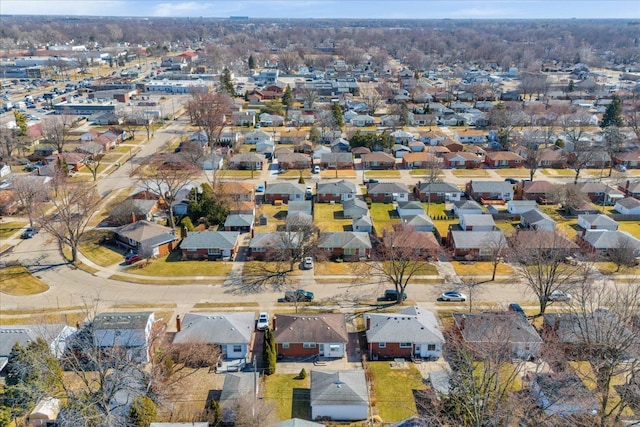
(511, 180)
(263, 321)
(299, 295)
(307, 263)
(452, 296)
(316, 169)
(29, 233)
(515, 307)
(371, 181)
(131, 258)
(260, 189)
(560, 296)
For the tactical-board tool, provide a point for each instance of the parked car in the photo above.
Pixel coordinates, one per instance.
(392, 295)
(371, 181)
(560, 296)
(316, 169)
(452, 296)
(516, 308)
(131, 258)
(307, 264)
(511, 180)
(29, 233)
(298, 295)
(263, 321)
(260, 189)
(620, 168)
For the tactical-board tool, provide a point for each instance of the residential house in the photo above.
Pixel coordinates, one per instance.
(629, 159)
(452, 145)
(418, 223)
(411, 332)
(438, 192)
(607, 241)
(516, 207)
(471, 136)
(410, 208)
(243, 118)
(410, 243)
(266, 147)
(146, 238)
(304, 206)
(210, 245)
(418, 147)
(378, 160)
(303, 336)
(262, 245)
(320, 150)
(628, 206)
(461, 159)
(237, 191)
(45, 412)
(432, 136)
(600, 193)
(247, 161)
(563, 394)
(358, 152)
(399, 150)
(132, 333)
(294, 136)
(239, 222)
(550, 158)
(339, 191)
(537, 220)
(56, 335)
(74, 161)
(437, 150)
(362, 120)
(477, 222)
(481, 331)
(537, 240)
(477, 150)
(339, 395)
(232, 332)
(270, 120)
(336, 161)
(597, 222)
(483, 191)
(340, 145)
(536, 190)
(631, 188)
(294, 161)
(464, 207)
(355, 208)
(473, 244)
(422, 160)
(347, 245)
(284, 192)
(256, 136)
(387, 192)
(503, 159)
(362, 224)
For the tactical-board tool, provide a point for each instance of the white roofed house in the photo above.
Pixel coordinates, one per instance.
(339, 395)
(128, 335)
(628, 206)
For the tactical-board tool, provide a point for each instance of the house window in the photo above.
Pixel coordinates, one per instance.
(349, 251)
(431, 347)
(382, 345)
(213, 251)
(405, 345)
(133, 242)
(237, 348)
(285, 345)
(309, 345)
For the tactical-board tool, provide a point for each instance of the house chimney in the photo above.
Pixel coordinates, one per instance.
(77, 324)
(368, 323)
(178, 323)
(274, 323)
(133, 217)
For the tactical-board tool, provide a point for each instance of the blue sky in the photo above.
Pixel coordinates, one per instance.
(417, 9)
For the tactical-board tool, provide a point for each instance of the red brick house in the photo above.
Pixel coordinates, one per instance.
(210, 245)
(421, 160)
(452, 145)
(630, 159)
(284, 191)
(378, 160)
(336, 161)
(535, 190)
(503, 159)
(147, 238)
(461, 159)
(74, 161)
(346, 245)
(303, 336)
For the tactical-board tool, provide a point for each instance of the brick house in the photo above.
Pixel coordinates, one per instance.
(247, 161)
(471, 136)
(336, 161)
(630, 159)
(387, 192)
(378, 160)
(294, 161)
(630, 188)
(237, 191)
(411, 332)
(347, 245)
(503, 159)
(535, 190)
(600, 193)
(339, 191)
(210, 245)
(146, 238)
(284, 191)
(440, 192)
(303, 336)
(474, 244)
(490, 190)
(461, 159)
(421, 160)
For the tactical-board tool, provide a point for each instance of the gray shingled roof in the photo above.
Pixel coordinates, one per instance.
(417, 220)
(476, 220)
(439, 187)
(275, 239)
(610, 239)
(388, 187)
(296, 422)
(147, 232)
(339, 388)
(629, 202)
(210, 239)
(410, 205)
(487, 327)
(345, 240)
(597, 219)
(534, 216)
(491, 187)
(412, 324)
(467, 204)
(338, 187)
(24, 334)
(320, 328)
(475, 239)
(284, 188)
(238, 385)
(239, 220)
(216, 328)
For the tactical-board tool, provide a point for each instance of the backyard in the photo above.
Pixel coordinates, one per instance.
(384, 216)
(276, 215)
(328, 217)
(290, 395)
(393, 390)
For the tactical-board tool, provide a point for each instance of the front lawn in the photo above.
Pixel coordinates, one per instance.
(338, 174)
(479, 268)
(291, 396)
(92, 247)
(171, 266)
(7, 229)
(382, 174)
(471, 173)
(330, 268)
(238, 174)
(559, 172)
(295, 174)
(383, 216)
(393, 390)
(17, 281)
(419, 173)
(328, 217)
(513, 172)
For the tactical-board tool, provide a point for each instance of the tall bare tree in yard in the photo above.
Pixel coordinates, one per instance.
(209, 112)
(496, 249)
(30, 191)
(540, 262)
(613, 143)
(55, 129)
(433, 175)
(568, 196)
(165, 180)
(532, 153)
(73, 206)
(92, 162)
(371, 97)
(624, 253)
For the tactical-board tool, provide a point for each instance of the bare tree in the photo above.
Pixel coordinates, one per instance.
(568, 196)
(371, 97)
(496, 249)
(92, 162)
(433, 175)
(309, 97)
(209, 112)
(288, 60)
(30, 191)
(164, 179)
(613, 143)
(55, 129)
(504, 118)
(624, 254)
(73, 207)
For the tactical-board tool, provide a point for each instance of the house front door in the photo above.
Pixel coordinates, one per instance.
(321, 349)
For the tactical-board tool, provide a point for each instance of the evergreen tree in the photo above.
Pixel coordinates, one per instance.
(613, 114)
(337, 115)
(226, 83)
(269, 353)
(287, 97)
(5, 416)
(252, 62)
(142, 412)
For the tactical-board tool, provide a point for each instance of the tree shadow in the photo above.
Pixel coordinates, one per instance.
(301, 407)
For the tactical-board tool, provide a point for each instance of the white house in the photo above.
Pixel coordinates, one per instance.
(131, 332)
(362, 121)
(628, 206)
(464, 207)
(477, 222)
(339, 395)
(597, 222)
(45, 413)
(411, 208)
(256, 136)
(516, 207)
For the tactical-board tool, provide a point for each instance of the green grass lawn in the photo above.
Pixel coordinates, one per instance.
(328, 217)
(383, 216)
(507, 228)
(121, 149)
(631, 227)
(567, 226)
(100, 254)
(443, 225)
(291, 396)
(436, 210)
(171, 266)
(7, 229)
(471, 173)
(382, 174)
(276, 215)
(295, 174)
(330, 268)
(393, 390)
(17, 281)
(559, 172)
